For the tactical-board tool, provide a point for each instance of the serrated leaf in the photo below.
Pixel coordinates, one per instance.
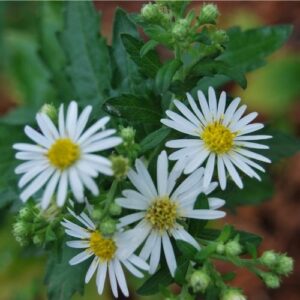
(154, 139)
(149, 64)
(133, 108)
(62, 279)
(86, 52)
(165, 75)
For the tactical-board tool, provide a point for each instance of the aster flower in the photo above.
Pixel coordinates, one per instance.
(161, 209)
(64, 156)
(108, 253)
(219, 135)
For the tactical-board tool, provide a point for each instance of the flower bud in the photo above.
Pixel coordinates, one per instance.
(233, 248)
(50, 111)
(269, 259)
(38, 239)
(120, 166)
(271, 280)
(97, 214)
(20, 229)
(128, 135)
(209, 14)
(115, 209)
(199, 281)
(233, 294)
(108, 226)
(285, 265)
(181, 29)
(220, 248)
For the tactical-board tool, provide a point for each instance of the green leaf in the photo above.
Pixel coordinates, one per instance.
(154, 139)
(186, 249)
(247, 50)
(181, 270)
(205, 252)
(226, 233)
(87, 53)
(151, 285)
(123, 65)
(151, 44)
(149, 63)
(251, 249)
(159, 34)
(165, 75)
(229, 276)
(235, 196)
(133, 108)
(62, 279)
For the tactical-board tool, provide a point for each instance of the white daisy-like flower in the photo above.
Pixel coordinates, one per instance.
(64, 156)
(161, 209)
(219, 135)
(108, 253)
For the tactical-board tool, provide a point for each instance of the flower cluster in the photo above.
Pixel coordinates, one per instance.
(68, 156)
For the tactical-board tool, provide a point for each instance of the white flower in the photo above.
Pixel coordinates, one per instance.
(108, 254)
(161, 208)
(219, 135)
(64, 156)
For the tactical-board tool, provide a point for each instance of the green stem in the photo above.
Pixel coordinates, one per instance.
(110, 196)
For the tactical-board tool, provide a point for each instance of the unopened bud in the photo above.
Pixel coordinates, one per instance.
(97, 214)
(108, 226)
(285, 265)
(271, 280)
(220, 248)
(38, 239)
(233, 248)
(269, 259)
(50, 111)
(115, 209)
(233, 294)
(199, 281)
(120, 166)
(209, 14)
(181, 29)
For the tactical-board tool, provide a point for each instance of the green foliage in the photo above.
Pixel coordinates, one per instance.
(62, 279)
(86, 52)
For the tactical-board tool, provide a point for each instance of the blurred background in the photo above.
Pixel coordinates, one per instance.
(273, 91)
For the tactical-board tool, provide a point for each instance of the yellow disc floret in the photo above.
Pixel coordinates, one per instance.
(63, 153)
(104, 248)
(217, 138)
(162, 213)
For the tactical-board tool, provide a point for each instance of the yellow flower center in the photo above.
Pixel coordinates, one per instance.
(218, 138)
(162, 213)
(104, 248)
(63, 153)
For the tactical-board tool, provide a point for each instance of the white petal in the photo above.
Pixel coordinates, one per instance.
(27, 166)
(215, 203)
(78, 244)
(129, 219)
(244, 121)
(174, 175)
(212, 101)
(138, 262)
(253, 155)
(103, 145)
(232, 171)
(76, 184)
(80, 258)
(131, 194)
(61, 121)
(251, 145)
(89, 183)
(62, 189)
(47, 127)
(97, 159)
(36, 184)
(204, 106)
(179, 127)
(49, 191)
(112, 279)
(149, 245)
(197, 161)
(186, 112)
(181, 120)
(29, 156)
(162, 173)
(83, 219)
(132, 203)
(221, 105)
(181, 234)
(195, 108)
(37, 137)
(169, 253)
(230, 110)
(221, 173)
(209, 170)
(37, 169)
(91, 270)
(133, 270)
(249, 162)
(120, 277)
(205, 214)
(101, 276)
(99, 124)
(185, 152)
(97, 137)
(252, 137)
(250, 128)
(237, 115)
(76, 228)
(82, 121)
(29, 148)
(183, 143)
(71, 119)
(155, 255)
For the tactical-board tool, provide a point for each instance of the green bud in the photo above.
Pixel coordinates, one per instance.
(154, 13)
(285, 265)
(233, 294)
(38, 239)
(271, 280)
(97, 214)
(115, 209)
(269, 258)
(50, 111)
(220, 37)
(209, 14)
(120, 166)
(233, 248)
(181, 29)
(199, 281)
(108, 226)
(20, 229)
(128, 135)
(220, 248)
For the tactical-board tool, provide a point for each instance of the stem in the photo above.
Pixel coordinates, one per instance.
(110, 196)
